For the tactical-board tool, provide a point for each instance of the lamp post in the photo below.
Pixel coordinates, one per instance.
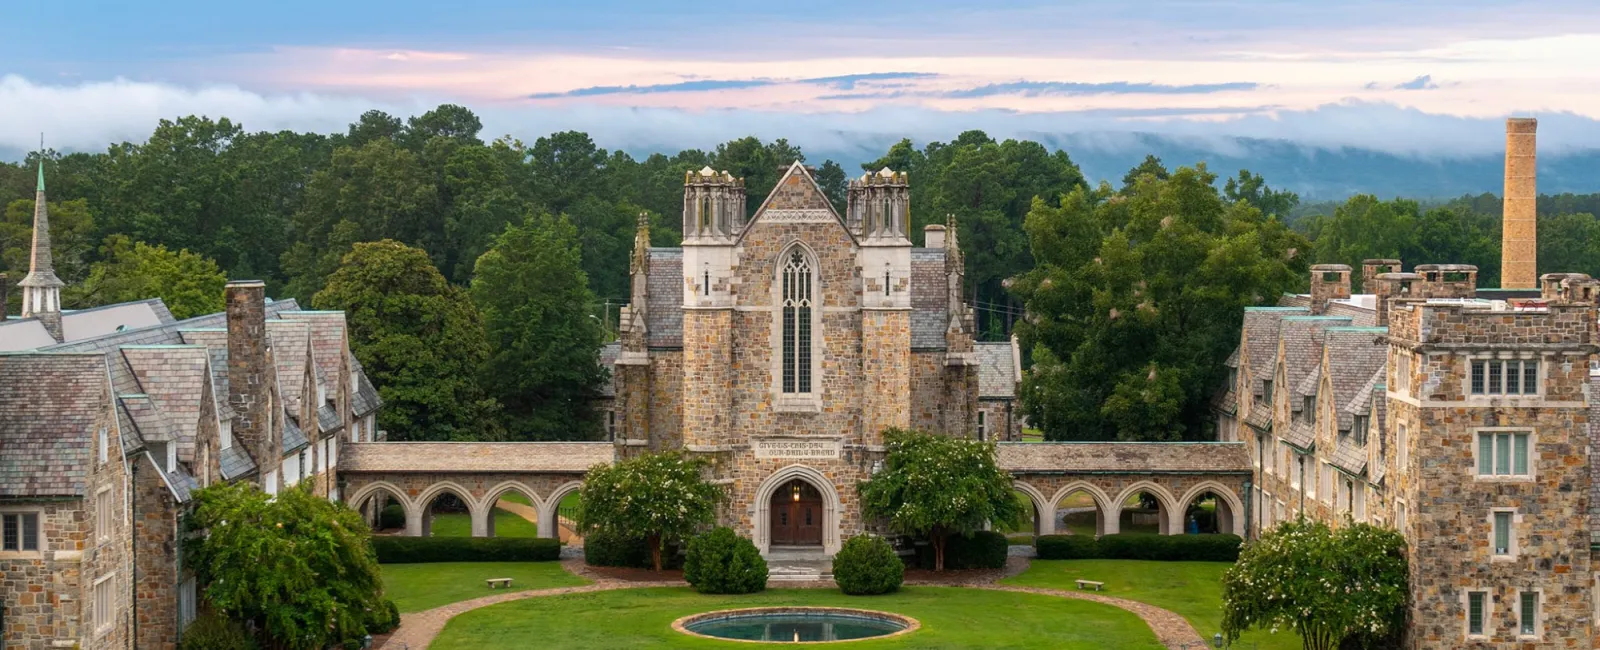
(1216, 640)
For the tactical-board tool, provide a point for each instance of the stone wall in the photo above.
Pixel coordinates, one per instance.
(886, 371)
(416, 492)
(1175, 492)
(1002, 420)
(156, 541)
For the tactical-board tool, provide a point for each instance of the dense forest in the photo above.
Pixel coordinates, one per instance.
(204, 199)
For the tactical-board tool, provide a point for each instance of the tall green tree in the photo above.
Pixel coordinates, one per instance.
(419, 338)
(935, 486)
(377, 191)
(189, 284)
(1344, 588)
(1253, 189)
(660, 496)
(72, 241)
(544, 365)
(1137, 298)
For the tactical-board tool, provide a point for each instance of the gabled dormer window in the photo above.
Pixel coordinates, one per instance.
(1309, 409)
(1266, 390)
(1358, 429)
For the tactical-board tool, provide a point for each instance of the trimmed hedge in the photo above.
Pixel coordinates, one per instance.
(1168, 548)
(722, 562)
(867, 566)
(984, 550)
(601, 549)
(416, 550)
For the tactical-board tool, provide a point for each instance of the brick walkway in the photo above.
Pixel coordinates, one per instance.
(417, 630)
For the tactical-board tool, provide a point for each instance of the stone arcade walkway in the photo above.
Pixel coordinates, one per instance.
(418, 629)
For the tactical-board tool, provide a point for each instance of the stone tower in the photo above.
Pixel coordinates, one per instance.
(1328, 282)
(878, 213)
(1491, 417)
(1519, 239)
(41, 289)
(713, 220)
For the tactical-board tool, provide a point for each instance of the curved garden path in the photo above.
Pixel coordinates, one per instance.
(418, 629)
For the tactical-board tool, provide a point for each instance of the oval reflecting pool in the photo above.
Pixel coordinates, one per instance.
(795, 624)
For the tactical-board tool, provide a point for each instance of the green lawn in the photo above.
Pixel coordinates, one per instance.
(516, 497)
(951, 618)
(506, 524)
(416, 587)
(1192, 589)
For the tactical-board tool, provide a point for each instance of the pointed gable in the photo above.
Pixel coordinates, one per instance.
(50, 406)
(291, 353)
(176, 378)
(797, 198)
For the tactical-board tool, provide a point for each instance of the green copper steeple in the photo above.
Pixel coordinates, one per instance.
(41, 173)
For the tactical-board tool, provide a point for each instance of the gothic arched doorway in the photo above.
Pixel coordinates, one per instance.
(796, 515)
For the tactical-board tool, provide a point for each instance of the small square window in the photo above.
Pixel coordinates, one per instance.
(21, 531)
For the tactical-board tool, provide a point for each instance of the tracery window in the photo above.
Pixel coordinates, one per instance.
(798, 290)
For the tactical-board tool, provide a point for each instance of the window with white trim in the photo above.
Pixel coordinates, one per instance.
(798, 280)
(105, 445)
(1477, 612)
(1505, 377)
(1266, 390)
(1504, 532)
(187, 594)
(104, 616)
(1329, 495)
(1503, 453)
(1401, 454)
(1358, 429)
(21, 531)
(1402, 372)
(1528, 614)
(1308, 409)
(611, 424)
(1400, 516)
(1299, 471)
(105, 514)
(983, 428)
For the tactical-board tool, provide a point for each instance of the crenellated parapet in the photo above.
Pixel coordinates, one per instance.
(713, 207)
(879, 207)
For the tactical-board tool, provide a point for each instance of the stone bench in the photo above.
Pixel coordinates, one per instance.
(499, 582)
(1084, 584)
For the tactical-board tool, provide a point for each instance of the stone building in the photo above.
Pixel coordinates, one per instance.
(781, 346)
(109, 417)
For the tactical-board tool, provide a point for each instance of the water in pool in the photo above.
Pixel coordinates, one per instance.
(795, 628)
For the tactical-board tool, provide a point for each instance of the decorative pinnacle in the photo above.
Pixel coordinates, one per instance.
(41, 162)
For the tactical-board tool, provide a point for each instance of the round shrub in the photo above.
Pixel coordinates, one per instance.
(211, 631)
(383, 618)
(605, 549)
(391, 517)
(722, 562)
(867, 565)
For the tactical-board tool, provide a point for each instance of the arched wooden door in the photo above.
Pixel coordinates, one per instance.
(796, 515)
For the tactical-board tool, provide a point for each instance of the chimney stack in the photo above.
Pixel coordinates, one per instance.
(1519, 240)
(933, 236)
(248, 389)
(1448, 280)
(1390, 286)
(1371, 268)
(1328, 282)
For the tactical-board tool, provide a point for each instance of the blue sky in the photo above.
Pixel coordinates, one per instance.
(1423, 77)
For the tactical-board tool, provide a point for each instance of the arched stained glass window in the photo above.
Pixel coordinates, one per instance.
(797, 304)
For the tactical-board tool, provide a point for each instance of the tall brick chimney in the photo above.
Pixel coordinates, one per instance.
(248, 388)
(1519, 239)
(1328, 282)
(933, 235)
(1448, 280)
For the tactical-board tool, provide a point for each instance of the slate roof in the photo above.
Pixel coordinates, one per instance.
(182, 484)
(291, 351)
(327, 341)
(1301, 434)
(1260, 417)
(555, 457)
(997, 369)
(328, 420)
(1295, 300)
(236, 463)
(664, 311)
(143, 414)
(293, 438)
(365, 399)
(1380, 410)
(1302, 338)
(48, 407)
(930, 297)
(1125, 457)
(174, 376)
(1355, 354)
(1359, 316)
(128, 434)
(1261, 334)
(80, 324)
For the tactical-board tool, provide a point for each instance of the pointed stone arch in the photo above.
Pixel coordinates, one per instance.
(373, 490)
(1170, 517)
(484, 517)
(549, 508)
(1105, 510)
(1234, 522)
(760, 509)
(424, 504)
(1044, 509)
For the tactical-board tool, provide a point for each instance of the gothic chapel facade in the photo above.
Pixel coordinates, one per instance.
(781, 347)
